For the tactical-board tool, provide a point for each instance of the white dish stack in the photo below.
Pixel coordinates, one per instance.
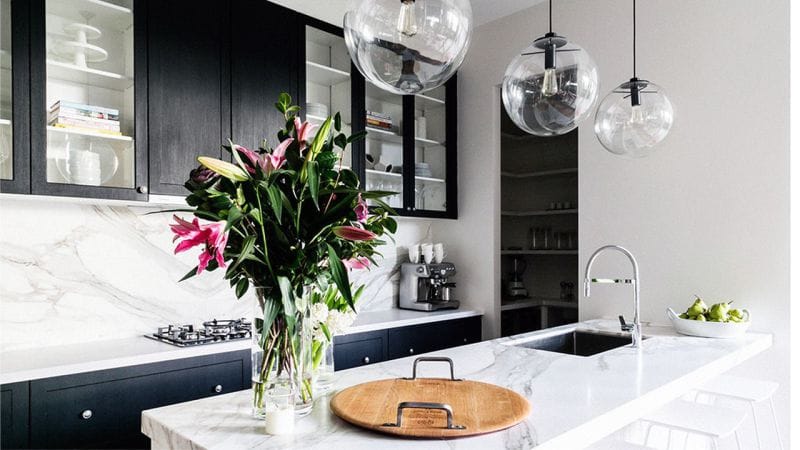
(317, 109)
(84, 167)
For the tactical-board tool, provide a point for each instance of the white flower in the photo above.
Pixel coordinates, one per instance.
(338, 322)
(319, 313)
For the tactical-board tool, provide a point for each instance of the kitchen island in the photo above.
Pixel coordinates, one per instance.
(575, 400)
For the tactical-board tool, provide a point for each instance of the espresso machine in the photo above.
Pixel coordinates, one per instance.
(426, 287)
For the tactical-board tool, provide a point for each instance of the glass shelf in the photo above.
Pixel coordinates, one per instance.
(325, 75)
(87, 76)
(6, 137)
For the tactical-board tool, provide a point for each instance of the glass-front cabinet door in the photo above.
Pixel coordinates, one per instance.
(14, 97)
(383, 153)
(328, 85)
(86, 119)
(430, 155)
(6, 115)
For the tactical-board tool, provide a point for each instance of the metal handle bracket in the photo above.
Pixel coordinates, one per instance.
(425, 405)
(433, 359)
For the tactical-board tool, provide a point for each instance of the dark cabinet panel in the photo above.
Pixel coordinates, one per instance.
(103, 409)
(189, 87)
(14, 415)
(429, 337)
(359, 349)
(264, 63)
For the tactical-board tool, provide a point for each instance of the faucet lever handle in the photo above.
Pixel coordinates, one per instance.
(623, 325)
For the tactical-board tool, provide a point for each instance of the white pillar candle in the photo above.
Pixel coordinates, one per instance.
(279, 421)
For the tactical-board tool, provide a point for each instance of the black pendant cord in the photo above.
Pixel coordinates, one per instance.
(634, 38)
(550, 14)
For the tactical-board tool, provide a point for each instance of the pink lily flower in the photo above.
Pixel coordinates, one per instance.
(304, 132)
(361, 210)
(356, 263)
(252, 157)
(352, 233)
(278, 156)
(212, 236)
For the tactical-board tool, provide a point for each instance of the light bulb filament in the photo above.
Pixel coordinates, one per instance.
(407, 20)
(550, 83)
(637, 115)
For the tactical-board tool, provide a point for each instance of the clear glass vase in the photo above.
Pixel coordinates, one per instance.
(282, 347)
(323, 366)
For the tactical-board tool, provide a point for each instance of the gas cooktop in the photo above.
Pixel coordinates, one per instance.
(212, 332)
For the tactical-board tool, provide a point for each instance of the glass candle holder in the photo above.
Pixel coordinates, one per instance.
(279, 408)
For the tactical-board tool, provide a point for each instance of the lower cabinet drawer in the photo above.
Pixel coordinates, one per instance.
(429, 337)
(14, 415)
(359, 349)
(103, 409)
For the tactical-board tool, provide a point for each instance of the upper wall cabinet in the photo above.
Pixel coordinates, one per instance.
(14, 92)
(189, 86)
(88, 127)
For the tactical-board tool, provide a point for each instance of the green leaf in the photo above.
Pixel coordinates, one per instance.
(360, 135)
(255, 213)
(390, 225)
(337, 122)
(275, 201)
(241, 287)
(340, 140)
(313, 182)
(234, 216)
(339, 275)
(247, 249)
(287, 298)
(189, 274)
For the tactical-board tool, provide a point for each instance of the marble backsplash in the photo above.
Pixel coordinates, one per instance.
(76, 272)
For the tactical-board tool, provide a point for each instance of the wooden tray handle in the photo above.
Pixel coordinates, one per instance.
(432, 359)
(426, 405)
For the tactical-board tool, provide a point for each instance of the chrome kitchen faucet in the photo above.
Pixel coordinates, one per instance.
(636, 329)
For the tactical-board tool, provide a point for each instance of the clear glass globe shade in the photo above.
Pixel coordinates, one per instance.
(634, 131)
(550, 102)
(411, 46)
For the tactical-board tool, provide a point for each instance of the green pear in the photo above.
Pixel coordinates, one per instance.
(737, 313)
(697, 308)
(719, 311)
(701, 318)
(684, 316)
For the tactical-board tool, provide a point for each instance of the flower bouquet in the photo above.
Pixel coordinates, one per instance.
(289, 222)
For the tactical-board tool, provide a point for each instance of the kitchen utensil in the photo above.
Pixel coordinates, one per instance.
(516, 288)
(414, 253)
(427, 287)
(709, 329)
(430, 407)
(438, 253)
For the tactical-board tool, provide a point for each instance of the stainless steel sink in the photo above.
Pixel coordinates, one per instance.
(574, 342)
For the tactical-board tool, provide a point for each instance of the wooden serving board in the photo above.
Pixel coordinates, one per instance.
(478, 407)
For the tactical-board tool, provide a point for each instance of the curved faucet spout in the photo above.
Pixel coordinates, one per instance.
(636, 332)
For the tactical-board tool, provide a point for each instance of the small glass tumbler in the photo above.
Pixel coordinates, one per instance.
(279, 407)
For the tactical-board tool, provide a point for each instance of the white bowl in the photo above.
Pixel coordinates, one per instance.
(723, 330)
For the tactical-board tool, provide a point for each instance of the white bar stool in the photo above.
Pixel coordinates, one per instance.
(713, 422)
(747, 390)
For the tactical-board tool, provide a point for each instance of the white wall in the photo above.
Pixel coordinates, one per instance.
(707, 214)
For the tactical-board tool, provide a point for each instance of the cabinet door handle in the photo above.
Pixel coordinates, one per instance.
(86, 414)
(218, 388)
(411, 351)
(141, 189)
(465, 340)
(366, 360)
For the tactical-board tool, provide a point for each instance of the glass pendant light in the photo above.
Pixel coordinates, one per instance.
(408, 46)
(634, 117)
(551, 86)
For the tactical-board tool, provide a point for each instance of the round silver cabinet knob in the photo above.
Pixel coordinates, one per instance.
(411, 351)
(366, 360)
(141, 189)
(465, 340)
(86, 414)
(218, 388)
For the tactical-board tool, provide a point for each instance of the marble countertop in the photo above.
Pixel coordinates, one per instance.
(575, 400)
(45, 362)
(393, 318)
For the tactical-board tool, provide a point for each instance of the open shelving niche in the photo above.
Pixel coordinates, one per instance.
(536, 172)
(107, 84)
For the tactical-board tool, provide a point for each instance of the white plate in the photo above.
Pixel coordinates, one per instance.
(709, 329)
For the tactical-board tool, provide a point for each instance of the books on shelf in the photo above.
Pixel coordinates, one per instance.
(379, 120)
(82, 117)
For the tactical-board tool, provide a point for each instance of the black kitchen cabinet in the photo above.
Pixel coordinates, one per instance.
(189, 86)
(14, 415)
(429, 337)
(359, 349)
(376, 346)
(102, 409)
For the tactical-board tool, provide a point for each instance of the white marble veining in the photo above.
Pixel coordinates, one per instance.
(51, 361)
(575, 400)
(46, 362)
(74, 272)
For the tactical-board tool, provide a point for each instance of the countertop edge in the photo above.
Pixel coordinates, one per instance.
(425, 317)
